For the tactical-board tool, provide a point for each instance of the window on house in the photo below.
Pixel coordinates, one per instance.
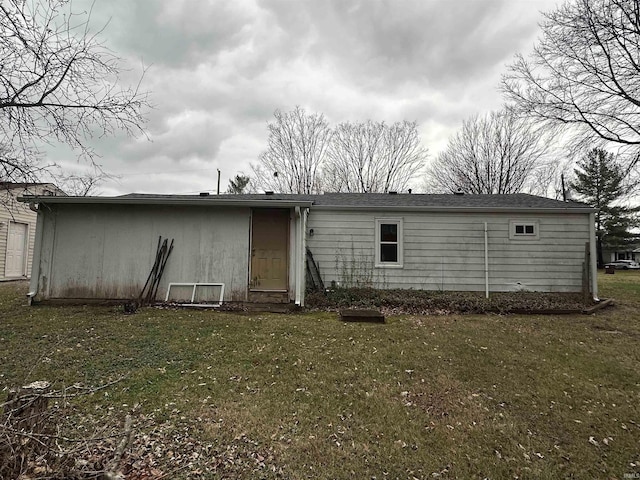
(523, 230)
(389, 242)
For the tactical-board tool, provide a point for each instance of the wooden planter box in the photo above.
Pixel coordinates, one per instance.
(361, 316)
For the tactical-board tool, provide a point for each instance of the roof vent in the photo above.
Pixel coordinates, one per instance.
(409, 191)
(393, 193)
(458, 192)
(269, 192)
(204, 194)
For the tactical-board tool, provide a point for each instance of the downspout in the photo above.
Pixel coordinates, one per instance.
(298, 296)
(486, 261)
(303, 267)
(592, 255)
(35, 265)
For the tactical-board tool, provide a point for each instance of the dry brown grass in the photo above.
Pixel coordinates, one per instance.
(307, 396)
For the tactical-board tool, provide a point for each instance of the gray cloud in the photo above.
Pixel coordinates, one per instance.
(175, 33)
(218, 70)
(385, 45)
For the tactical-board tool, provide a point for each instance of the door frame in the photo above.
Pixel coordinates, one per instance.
(287, 253)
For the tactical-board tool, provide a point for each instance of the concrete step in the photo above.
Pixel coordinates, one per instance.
(268, 297)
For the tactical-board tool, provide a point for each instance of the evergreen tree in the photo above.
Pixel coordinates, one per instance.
(600, 182)
(238, 184)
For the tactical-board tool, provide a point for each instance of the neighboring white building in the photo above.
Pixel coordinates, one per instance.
(104, 247)
(18, 228)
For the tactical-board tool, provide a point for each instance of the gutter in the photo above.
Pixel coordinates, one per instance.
(421, 208)
(200, 201)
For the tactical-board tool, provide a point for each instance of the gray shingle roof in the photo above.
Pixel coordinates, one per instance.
(382, 201)
(373, 200)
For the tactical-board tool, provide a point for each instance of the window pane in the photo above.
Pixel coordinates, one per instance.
(388, 232)
(519, 229)
(388, 253)
(528, 229)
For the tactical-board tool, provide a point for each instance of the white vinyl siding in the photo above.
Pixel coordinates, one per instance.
(445, 251)
(12, 211)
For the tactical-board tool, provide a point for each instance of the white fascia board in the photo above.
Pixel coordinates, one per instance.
(200, 201)
(414, 208)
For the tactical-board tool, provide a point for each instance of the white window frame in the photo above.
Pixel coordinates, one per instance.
(393, 221)
(524, 236)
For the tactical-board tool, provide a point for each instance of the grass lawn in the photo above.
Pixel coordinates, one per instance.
(306, 396)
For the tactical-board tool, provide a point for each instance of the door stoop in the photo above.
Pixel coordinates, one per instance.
(268, 297)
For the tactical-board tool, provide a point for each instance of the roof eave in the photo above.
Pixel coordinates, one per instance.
(201, 201)
(483, 209)
(272, 202)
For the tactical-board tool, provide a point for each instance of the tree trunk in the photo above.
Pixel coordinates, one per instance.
(599, 252)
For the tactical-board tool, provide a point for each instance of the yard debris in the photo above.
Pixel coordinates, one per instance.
(69, 444)
(146, 449)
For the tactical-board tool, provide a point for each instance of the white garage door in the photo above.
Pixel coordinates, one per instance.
(16, 250)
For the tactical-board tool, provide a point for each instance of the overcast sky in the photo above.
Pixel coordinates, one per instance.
(217, 70)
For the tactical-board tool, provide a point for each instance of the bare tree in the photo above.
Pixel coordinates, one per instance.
(20, 165)
(546, 179)
(495, 154)
(58, 83)
(584, 74)
(296, 150)
(374, 157)
(82, 184)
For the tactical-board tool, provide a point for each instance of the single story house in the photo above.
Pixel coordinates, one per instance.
(628, 252)
(257, 245)
(18, 227)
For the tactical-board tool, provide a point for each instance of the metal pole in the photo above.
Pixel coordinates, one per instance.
(218, 181)
(593, 254)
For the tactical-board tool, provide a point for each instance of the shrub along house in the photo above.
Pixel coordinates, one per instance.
(104, 247)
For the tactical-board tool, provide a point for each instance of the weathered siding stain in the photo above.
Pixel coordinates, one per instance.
(445, 251)
(103, 251)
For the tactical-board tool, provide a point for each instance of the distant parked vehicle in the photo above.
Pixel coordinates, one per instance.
(623, 265)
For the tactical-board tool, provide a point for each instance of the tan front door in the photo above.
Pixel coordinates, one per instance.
(269, 249)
